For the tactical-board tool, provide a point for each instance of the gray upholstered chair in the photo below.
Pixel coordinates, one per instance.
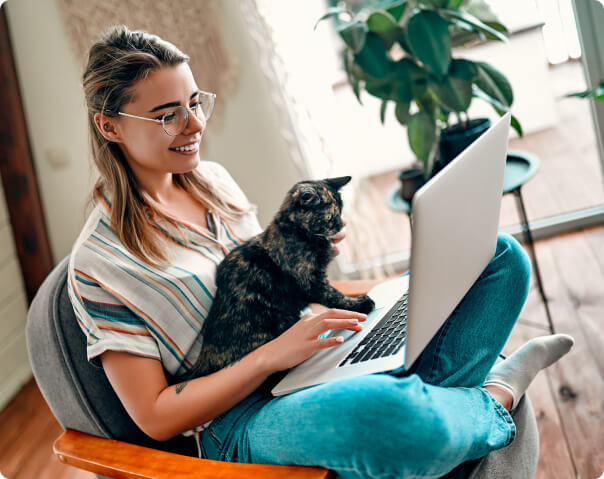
(100, 436)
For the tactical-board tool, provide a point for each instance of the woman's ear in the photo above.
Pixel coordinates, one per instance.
(107, 126)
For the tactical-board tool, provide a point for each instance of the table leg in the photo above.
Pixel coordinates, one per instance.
(526, 230)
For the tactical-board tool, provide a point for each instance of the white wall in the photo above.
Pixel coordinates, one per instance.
(250, 146)
(14, 365)
(54, 108)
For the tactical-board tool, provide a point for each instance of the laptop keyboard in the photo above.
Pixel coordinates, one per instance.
(385, 339)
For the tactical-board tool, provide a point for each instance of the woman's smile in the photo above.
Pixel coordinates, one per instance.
(187, 149)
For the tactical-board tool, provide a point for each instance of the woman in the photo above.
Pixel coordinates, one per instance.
(141, 280)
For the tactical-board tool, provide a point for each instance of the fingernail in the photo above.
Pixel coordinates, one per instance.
(340, 339)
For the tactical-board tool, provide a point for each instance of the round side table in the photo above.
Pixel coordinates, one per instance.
(520, 167)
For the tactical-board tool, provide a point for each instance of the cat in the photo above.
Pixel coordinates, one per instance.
(265, 283)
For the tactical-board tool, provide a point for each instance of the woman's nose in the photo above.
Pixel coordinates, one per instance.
(195, 124)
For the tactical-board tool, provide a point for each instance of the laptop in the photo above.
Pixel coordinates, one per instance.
(455, 221)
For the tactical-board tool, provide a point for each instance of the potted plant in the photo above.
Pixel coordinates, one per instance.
(402, 54)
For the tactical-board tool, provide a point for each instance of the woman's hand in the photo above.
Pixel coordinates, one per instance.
(339, 236)
(301, 340)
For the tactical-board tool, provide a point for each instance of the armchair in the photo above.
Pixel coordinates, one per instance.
(100, 436)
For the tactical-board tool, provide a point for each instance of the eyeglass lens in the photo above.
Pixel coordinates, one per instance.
(175, 120)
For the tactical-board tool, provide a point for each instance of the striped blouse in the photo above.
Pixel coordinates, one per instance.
(124, 304)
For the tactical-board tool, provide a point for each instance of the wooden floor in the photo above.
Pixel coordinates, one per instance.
(568, 397)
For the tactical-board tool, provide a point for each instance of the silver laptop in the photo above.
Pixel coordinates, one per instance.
(455, 222)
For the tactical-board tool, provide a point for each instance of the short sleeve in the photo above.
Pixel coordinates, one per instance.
(248, 224)
(223, 179)
(106, 319)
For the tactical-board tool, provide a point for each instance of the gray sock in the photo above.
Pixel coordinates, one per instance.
(517, 371)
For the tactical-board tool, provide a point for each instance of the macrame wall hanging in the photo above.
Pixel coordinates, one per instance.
(193, 26)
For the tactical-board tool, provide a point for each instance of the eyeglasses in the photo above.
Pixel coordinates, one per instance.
(176, 119)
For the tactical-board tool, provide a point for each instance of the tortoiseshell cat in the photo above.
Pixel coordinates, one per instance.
(263, 284)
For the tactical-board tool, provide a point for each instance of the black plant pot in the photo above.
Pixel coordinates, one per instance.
(457, 138)
(412, 179)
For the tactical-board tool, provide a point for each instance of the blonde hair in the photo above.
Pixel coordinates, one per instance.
(115, 63)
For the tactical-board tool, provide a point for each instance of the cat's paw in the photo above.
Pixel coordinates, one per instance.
(364, 304)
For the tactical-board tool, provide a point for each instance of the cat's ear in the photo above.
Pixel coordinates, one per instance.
(307, 198)
(337, 183)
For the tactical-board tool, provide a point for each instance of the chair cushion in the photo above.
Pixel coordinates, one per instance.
(78, 393)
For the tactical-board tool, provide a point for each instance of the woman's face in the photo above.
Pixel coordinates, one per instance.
(147, 147)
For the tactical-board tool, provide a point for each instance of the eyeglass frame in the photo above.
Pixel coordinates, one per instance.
(187, 109)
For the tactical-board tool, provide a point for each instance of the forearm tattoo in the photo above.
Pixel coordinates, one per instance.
(180, 386)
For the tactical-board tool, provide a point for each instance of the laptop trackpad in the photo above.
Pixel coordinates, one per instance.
(347, 333)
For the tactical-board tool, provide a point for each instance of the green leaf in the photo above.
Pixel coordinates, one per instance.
(381, 22)
(380, 88)
(372, 58)
(401, 72)
(397, 10)
(385, 25)
(429, 40)
(494, 83)
(455, 3)
(421, 130)
(463, 26)
(402, 113)
(497, 26)
(499, 107)
(402, 92)
(383, 111)
(454, 91)
(402, 41)
(429, 103)
(333, 12)
(353, 35)
(462, 69)
(419, 78)
(474, 22)
(352, 78)
(496, 104)
(516, 126)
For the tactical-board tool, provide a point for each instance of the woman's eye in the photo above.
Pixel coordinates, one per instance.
(168, 117)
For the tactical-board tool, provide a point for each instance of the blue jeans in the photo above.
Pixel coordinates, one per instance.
(419, 423)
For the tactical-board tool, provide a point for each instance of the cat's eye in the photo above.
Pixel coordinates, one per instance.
(309, 198)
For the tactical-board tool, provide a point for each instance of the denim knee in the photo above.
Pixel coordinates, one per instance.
(406, 433)
(511, 258)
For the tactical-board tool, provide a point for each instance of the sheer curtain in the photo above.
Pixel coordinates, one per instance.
(301, 64)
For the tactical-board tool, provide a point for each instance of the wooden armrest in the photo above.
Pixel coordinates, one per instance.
(113, 458)
(355, 287)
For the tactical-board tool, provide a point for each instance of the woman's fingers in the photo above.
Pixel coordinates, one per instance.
(340, 314)
(338, 237)
(329, 342)
(337, 319)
